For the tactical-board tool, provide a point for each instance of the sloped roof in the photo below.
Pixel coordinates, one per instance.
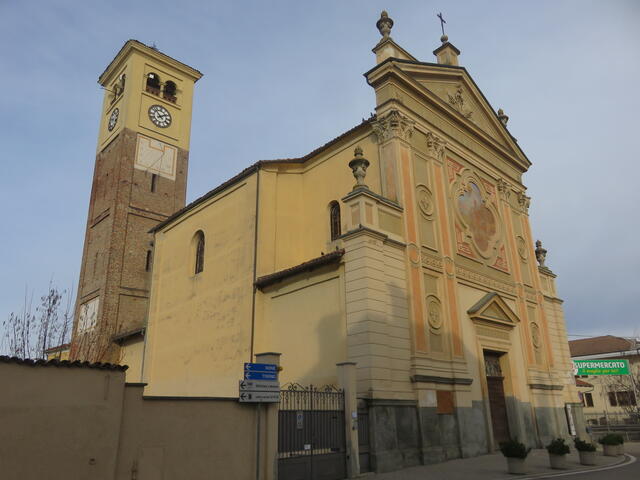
(596, 345)
(62, 363)
(582, 383)
(307, 266)
(255, 167)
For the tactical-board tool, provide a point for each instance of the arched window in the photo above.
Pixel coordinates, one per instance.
(169, 92)
(334, 219)
(153, 83)
(199, 252)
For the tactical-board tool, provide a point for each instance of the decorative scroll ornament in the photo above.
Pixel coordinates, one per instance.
(541, 253)
(359, 166)
(435, 146)
(393, 125)
(434, 313)
(425, 201)
(521, 245)
(524, 202)
(535, 335)
(457, 101)
(503, 189)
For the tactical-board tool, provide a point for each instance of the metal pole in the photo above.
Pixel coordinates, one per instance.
(258, 443)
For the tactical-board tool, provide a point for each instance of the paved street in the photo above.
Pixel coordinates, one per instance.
(494, 467)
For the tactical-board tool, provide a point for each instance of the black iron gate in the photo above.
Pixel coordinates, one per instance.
(311, 434)
(363, 439)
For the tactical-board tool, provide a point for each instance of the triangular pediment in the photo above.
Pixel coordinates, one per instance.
(458, 94)
(493, 308)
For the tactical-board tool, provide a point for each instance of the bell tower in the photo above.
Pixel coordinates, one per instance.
(139, 180)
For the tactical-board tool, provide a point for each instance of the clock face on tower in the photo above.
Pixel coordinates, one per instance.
(160, 116)
(113, 119)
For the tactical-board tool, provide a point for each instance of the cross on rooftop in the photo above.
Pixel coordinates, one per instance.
(442, 21)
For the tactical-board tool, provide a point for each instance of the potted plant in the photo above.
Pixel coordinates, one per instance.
(587, 452)
(515, 453)
(558, 453)
(612, 444)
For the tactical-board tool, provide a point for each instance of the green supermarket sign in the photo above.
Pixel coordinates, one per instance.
(601, 367)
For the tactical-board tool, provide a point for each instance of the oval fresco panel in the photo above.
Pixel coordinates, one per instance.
(479, 219)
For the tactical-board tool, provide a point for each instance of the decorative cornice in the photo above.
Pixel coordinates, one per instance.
(366, 192)
(544, 386)
(441, 380)
(393, 125)
(431, 261)
(481, 279)
(390, 402)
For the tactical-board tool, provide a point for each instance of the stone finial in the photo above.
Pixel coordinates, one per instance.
(541, 253)
(502, 117)
(359, 166)
(384, 24)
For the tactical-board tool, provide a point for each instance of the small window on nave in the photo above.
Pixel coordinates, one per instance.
(334, 220)
(199, 254)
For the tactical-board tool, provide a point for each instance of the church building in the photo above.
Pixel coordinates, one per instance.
(403, 245)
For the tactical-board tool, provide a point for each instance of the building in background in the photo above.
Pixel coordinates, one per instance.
(609, 400)
(402, 245)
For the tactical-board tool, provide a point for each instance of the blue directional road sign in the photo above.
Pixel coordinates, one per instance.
(260, 371)
(260, 376)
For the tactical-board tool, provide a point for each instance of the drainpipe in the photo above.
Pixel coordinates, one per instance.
(255, 261)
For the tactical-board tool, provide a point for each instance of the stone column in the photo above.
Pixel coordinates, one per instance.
(347, 382)
(268, 439)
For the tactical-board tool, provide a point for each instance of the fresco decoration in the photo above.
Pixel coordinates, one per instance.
(478, 218)
(453, 169)
(501, 260)
(463, 247)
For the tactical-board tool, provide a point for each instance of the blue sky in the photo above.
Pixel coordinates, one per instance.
(282, 78)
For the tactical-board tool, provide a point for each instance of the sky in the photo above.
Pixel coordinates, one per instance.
(283, 77)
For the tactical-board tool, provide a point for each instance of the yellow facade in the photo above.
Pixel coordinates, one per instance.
(428, 279)
(134, 63)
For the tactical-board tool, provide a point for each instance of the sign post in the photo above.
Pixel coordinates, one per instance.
(260, 384)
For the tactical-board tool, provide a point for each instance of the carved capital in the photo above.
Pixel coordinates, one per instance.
(524, 202)
(503, 189)
(435, 146)
(393, 125)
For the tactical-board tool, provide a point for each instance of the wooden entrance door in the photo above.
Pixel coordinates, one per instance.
(497, 402)
(498, 406)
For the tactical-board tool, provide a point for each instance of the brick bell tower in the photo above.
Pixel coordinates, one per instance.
(140, 179)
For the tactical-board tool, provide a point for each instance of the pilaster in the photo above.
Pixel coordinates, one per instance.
(378, 334)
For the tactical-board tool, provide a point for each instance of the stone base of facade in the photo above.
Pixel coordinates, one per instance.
(404, 435)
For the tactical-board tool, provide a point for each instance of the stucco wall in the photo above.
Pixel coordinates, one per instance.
(199, 327)
(189, 438)
(304, 319)
(59, 422)
(84, 423)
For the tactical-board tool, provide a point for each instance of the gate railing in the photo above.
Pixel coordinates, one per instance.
(311, 421)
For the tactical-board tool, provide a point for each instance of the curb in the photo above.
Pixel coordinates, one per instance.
(627, 460)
